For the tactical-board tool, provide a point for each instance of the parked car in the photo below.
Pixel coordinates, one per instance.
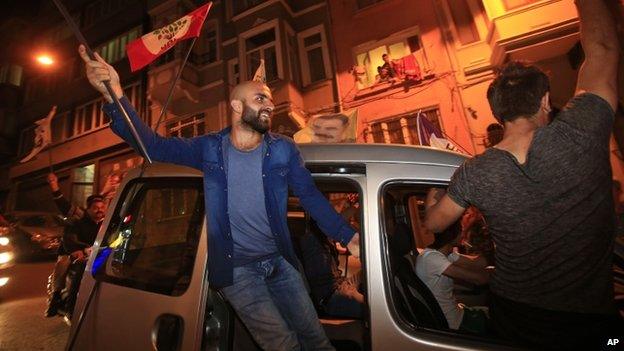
(35, 234)
(146, 286)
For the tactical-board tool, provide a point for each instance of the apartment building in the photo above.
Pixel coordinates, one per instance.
(290, 36)
(320, 57)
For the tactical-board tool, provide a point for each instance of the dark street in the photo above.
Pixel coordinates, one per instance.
(22, 303)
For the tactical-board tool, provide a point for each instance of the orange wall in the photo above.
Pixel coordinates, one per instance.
(351, 28)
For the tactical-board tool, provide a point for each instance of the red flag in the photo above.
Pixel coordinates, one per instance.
(147, 48)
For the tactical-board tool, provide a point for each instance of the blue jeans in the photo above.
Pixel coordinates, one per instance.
(270, 298)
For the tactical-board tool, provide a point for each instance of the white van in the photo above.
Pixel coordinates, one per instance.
(146, 287)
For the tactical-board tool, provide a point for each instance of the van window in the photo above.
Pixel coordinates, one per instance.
(152, 239)
(414, 297)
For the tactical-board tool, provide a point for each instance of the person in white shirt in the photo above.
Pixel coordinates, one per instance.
(438, 266)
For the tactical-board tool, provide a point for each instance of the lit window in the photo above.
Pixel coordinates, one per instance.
(82, 186)
(394, 130)
(115, 49)
(369, 59)
(314, 56)
(262, 47)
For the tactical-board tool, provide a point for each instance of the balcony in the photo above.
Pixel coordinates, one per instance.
(537, 32)
(186, 92)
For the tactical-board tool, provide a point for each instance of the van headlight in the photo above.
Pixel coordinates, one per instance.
(6, 257)
(4, 241)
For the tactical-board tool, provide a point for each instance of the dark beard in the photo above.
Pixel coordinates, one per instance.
(252, 119)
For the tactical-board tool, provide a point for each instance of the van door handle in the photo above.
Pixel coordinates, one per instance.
(167, 334)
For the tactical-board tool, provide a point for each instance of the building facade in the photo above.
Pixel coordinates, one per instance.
(320, 57)
(290, 36)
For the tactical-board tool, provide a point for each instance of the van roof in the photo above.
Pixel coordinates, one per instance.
(379, 153)
(342, 153)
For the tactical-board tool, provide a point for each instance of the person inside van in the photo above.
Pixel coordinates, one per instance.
(438, 266)
(332, 293)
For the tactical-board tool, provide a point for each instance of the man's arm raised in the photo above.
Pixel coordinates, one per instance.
(182, 151)
(598, 74)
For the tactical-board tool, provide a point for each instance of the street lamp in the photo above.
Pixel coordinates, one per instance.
(45, 59)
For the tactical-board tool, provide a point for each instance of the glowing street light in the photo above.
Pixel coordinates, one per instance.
(45, 59)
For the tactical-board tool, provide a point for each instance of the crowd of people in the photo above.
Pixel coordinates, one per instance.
(539, 208)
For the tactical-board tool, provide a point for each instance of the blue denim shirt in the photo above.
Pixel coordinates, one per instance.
(282, 167)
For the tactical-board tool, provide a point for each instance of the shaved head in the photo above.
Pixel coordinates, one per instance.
(242, 90)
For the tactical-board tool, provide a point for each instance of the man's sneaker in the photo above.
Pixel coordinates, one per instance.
(54, 303)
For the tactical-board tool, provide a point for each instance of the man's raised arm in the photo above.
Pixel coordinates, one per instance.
(598, 74)
(182, 151)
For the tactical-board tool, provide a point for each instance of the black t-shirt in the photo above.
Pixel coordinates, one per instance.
(551, 218)
(80, 234)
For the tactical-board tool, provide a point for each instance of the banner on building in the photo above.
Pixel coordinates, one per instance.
(43, 135)
(147, 48)
(330, 128)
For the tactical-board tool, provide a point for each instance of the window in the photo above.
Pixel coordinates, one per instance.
(239, 6)
(152, 245)
(11, 74)
(293, 58)
(233, 72)
(115, 49)
(513, 4)
(403, 129)
(187, 127)
(314, 55)
(262, 46)
(464, 22)
(206, 52)
(90, 116)
(82, 184)
(402, 205)
(370, 58)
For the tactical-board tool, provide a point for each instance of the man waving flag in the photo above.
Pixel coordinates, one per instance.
(147, 48)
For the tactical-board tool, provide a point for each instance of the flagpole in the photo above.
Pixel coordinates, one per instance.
(175, 81)
(109, 89)
(50, 159)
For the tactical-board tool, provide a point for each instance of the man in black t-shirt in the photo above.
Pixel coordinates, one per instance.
(545, 192)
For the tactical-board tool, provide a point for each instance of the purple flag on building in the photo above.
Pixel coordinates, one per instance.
(430, 135)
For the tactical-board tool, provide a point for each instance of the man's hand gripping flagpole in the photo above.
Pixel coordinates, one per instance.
(112, 95)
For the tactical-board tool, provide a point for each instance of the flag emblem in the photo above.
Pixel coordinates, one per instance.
(141, 52)
(166, 37)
